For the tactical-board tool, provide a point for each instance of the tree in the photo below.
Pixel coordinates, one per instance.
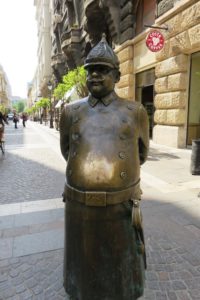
(2, 108)
(75, 78)
(19, 106)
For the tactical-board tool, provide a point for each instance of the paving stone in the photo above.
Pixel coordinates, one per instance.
(20, 288)
(6, 248)
(31, 283)
(151, 275)
(178, 285)
(9, 292)
(165, 285)
(14, 273)
(161, 296)
(194, 294)
(183, 295)
(15, 297)
(171, 295)
(37, 289)
(26, 295)
(163, 276)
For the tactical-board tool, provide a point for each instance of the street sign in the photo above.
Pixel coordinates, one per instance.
(155, 41)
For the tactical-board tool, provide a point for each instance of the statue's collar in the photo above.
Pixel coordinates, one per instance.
(105, 100)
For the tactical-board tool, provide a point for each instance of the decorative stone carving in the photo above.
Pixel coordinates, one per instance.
(59, 66)
(71, 47)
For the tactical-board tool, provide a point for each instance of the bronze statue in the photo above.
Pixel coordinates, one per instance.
(105, 140)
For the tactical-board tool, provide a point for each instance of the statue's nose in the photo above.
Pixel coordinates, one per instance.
(95, 73)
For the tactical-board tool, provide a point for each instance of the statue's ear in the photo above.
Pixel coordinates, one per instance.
(117, 76)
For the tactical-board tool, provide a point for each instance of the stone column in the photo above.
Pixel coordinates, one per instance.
(126, 86)
(170, 100)
(172, 72)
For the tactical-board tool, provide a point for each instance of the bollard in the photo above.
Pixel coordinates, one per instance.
(195, 157)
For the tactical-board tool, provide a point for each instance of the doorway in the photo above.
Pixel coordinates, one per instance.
(145, 94)
(147, 101)
(193, 124)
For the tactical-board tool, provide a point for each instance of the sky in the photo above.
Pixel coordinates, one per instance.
(18, 43)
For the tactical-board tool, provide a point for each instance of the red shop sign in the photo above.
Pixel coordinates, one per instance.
(155, 41)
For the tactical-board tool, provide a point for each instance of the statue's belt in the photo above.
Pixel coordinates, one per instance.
(93, 198)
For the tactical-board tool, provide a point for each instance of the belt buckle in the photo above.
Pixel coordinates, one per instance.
(95, 198)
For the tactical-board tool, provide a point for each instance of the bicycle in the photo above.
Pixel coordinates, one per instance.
(2, 142)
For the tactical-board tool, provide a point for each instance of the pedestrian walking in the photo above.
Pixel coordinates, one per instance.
(3, 120)
(24, 119)
(15, 120)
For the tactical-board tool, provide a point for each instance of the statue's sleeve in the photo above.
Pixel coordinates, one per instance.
(64, 131)
(143, 123)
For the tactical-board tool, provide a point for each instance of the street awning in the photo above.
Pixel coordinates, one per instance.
(58, 105)
(71, 95)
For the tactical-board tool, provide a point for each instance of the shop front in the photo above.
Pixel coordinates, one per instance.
(193, 123)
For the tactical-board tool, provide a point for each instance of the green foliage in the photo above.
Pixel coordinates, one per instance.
(43, 103)
(75, 78)
(60, 90)
(31, 110)
(19, 106)
(2, 108)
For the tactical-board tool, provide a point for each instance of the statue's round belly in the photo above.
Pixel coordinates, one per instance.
(95, 171)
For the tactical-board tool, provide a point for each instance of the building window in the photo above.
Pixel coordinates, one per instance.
(164, 5)
(145, 15)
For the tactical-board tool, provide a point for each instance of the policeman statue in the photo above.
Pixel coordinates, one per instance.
(104, 140)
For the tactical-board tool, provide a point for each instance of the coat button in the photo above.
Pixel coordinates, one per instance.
(75, 136)
(76, 107)
(70, 172)
(74, 153)
(75, 119)
(123, 175)
(122, 136)
(122, 155)
(130, 106)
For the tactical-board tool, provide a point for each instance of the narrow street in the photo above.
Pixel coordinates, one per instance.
(31, 214)
(32, 228)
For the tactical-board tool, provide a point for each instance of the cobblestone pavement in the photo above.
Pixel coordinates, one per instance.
(30, 162)
(31, 236)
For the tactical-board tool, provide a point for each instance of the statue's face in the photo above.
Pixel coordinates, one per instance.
(100, 80)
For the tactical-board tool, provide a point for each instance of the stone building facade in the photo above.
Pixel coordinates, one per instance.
(4, 90)
(44, 23)
(166, 82)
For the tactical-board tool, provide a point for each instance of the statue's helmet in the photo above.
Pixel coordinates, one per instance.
(102, 54)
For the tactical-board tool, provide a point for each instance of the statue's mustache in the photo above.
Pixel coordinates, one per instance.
(95, 80)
